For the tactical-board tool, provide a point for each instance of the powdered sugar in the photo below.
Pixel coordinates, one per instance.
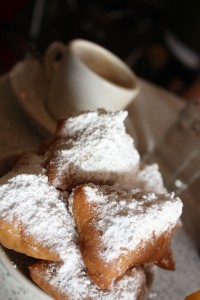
(149, 179)
(90, 146)
(128, 217)
(74, 283)
(29, 201)
(96, 147)
(88, 122)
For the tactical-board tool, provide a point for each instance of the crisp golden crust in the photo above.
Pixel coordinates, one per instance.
(37, 272)
(13, 236)
(103, 273)
(167, 262)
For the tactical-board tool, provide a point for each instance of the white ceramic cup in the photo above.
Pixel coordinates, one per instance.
(87, 77)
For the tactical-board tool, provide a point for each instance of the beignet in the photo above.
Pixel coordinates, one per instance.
(33, 216)
(64, 283)
(122, 228)
(92, 147)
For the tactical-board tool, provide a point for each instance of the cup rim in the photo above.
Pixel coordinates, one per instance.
(133, 87)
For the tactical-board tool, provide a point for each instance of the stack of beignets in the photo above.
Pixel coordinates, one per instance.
(96, 219)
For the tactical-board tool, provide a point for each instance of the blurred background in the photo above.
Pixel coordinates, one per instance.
(158, 39)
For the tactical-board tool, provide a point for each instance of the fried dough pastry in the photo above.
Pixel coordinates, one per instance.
(26, 163)
(119, 229)
(62, 283)
(33, 215)
(91, 147)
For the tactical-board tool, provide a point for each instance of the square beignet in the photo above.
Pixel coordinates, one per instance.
(34, 219)
(64, 281)
(121, 228)
(92, 147)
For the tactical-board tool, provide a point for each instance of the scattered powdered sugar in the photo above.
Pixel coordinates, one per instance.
(128, 217)
(96, 147)
(30, 201)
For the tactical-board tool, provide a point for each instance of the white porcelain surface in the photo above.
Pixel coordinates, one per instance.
(151, 114)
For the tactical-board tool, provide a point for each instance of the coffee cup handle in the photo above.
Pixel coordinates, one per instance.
(53, 57)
